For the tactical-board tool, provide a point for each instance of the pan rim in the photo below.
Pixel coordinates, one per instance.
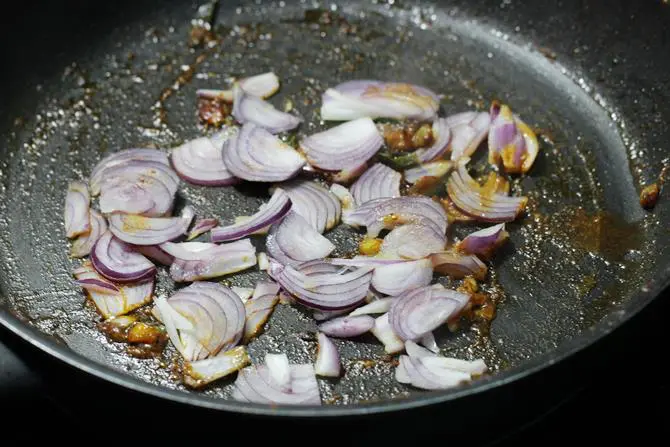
(583, 340)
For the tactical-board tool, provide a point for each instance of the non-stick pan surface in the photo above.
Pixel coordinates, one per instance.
(585, 258)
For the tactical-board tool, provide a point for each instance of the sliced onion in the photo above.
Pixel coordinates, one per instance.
(95, 282)
(77, 204)
(364, 261)
(256, 155)
(347, 327)
(320, 207)
(419, 311)
(202, 226)
(346, 199)
(259, 309)
(214, 94)
(138, 187)
(437, 169)
(348, 175)
(346, 146)
(381, 214)
(264, 288)
(384, 333)
(256, 384)
(244, 293)
(117, 261)
(109, 304)
(276, 208)
(140, 230)
(458, 265)
(323, 315)
(203, 372)
(484, 242)
(252, 109)
(414, 350)
(511, 142)
(215, 313)
(263, 261)
(83, 245)
(395, 279)
(293, 241)
(468, 130)
(488, 206)
(430, 343)
(378, 182)
(425, 370)
(279, 369)
(380, 306)
(412, 241)
(325, 291)
(155, 253)
(440, 146)
(327, 358)
(262, 85)
(100, 172)
(375, 99)
(212, 260)
(200, 162)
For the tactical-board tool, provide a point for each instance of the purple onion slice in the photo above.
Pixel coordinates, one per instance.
(347, 327)
(325, 291)
(254, 154)
(203, 372)
(381, 214)
(202, 319)
(138, 187)
(442, 137)
(425, 370)
(274, 210)
(77, 205)
(140, 230)
(263, 85)
(293, 241)
(320, 207)
(100, 171)
(200, 162)
(395, 279)
(458, 265)
(117, 261)
(482, 204)
(202, 226)
(385, 334)
(412, 241)
(259, 308)
(378, 182)
(437, 169)
(342, 147)
(252, 109)
(327, 358)
(484, 242)
(110, 304)
(420, 311)
(468, 130)
(259, 384)
(213, 261)
(380, 306)
(83, 245)
(376, 99)
(512, 143)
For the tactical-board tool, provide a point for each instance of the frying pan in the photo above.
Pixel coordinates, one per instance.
(590, 77)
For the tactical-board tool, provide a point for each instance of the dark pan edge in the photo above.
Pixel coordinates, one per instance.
(582, 341)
